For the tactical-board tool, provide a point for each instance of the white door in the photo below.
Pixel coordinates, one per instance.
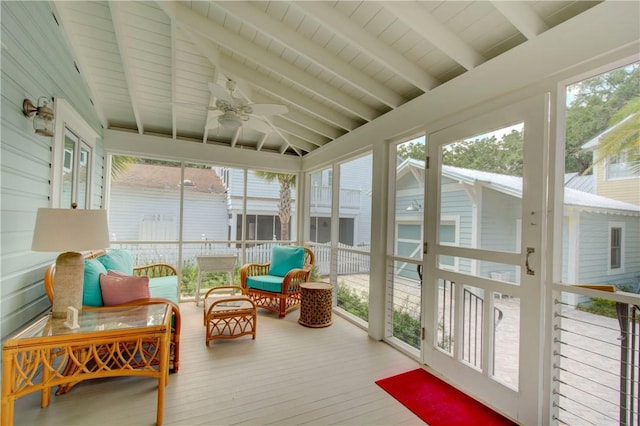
(482, 294)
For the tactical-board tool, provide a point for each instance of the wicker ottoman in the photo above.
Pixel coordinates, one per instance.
(228, 316)
(315, 304)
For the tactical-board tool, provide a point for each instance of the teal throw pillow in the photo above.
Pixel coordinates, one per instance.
(119, 260)
(91, 292)
(284, 259)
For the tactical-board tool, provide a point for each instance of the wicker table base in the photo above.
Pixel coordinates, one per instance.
(315, 304)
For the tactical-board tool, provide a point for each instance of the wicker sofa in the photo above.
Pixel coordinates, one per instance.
(163, 287)
(275, 286)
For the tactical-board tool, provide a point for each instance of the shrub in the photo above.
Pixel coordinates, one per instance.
(406, 327)
(213, 279)
(351, 302)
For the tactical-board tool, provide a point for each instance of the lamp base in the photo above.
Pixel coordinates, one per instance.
(67, 289)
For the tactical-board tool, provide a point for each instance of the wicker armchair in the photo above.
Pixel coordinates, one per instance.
(276, 293)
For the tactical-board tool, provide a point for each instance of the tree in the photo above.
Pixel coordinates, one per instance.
(120, 164)
(287, 182)
(488, 154)
(595, 103)
(414, 150)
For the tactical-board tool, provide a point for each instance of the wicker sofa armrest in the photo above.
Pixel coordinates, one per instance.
(155, 270)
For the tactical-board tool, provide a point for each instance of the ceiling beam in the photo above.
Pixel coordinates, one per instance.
(313, 52)
(299, 131)
(72, 41)
(261, 142)
(329, 17)
(191, 21)
(167, 7)
(523, 17)
(313, 124)
(118, 28)
(425, 24)
(297, 144)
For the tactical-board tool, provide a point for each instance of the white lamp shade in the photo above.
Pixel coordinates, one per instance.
(62, 230)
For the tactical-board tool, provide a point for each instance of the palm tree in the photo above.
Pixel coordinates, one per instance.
(120, 164)
(287, 181)
(624, 138)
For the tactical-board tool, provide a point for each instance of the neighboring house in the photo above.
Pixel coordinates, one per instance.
(145, 204)
(262, 204)
(481, 209)
(262, 198)
(354, 199)
(614, 177)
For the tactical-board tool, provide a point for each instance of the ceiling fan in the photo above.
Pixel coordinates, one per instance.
(233, 112)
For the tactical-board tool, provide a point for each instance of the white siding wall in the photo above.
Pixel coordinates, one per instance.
(204, 213)
(35, 62)
(594, 249)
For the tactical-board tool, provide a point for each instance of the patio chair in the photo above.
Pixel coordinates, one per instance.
(275, 286)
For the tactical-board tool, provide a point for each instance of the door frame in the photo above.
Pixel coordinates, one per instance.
(524, 405)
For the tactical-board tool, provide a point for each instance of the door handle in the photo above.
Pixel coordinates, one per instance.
(526, 263)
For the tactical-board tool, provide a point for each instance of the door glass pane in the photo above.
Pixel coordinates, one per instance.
(353, 259)
(445, 326)
(482, 268)
(481, 184)
(69, 164)
(271, 200)
(472, 326)
(596, 364)
(320, 206)
(83, 176)
(602, 165)
(144, 206)
(409, 198)
(506, 329)
(405, 284)
(405, 305)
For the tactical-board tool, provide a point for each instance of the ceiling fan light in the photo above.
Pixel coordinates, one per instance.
(230, 121)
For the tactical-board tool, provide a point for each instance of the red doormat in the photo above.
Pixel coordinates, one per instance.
(438, 403)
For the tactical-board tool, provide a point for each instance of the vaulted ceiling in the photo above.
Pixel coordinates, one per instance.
(334, 65)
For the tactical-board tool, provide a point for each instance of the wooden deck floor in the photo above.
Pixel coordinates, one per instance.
(289, 375)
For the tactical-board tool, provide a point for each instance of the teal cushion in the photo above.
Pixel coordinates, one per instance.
(166, 287)
(284, 259)
(91, 293)
(119, 260)
(265, 282)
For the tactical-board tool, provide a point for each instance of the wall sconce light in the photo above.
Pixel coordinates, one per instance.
(43, 119)
(415, 206)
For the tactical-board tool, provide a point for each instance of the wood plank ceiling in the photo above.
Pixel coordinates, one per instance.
(335, 65)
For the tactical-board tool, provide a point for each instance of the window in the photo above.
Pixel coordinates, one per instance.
(260, 227)
(615, 247)
(76, 171)
(621, 166)
(73, 158)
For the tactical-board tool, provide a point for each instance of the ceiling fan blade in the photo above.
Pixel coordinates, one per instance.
(266, 109)
(257, 124)
(220, 92)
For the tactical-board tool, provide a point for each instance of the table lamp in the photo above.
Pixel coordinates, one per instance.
(69, 231)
